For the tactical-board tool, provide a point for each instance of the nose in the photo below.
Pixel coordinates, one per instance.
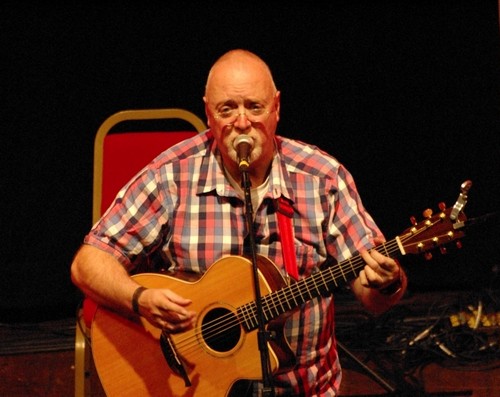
(242, 121)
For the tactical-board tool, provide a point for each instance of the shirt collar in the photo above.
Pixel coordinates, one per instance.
(215, 180)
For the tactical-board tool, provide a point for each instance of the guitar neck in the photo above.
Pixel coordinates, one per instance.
(323, 282)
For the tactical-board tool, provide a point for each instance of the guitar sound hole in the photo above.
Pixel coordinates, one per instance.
(221, 330)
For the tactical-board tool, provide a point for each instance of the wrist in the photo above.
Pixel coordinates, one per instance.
(135, 298)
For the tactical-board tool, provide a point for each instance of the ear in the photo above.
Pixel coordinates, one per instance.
(207, 113)
(277, 104)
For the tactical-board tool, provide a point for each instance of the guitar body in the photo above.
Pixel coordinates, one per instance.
(127, 352)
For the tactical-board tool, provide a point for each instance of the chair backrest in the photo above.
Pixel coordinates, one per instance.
(120, 153)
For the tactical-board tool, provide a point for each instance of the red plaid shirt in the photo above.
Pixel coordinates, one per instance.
(181, 212)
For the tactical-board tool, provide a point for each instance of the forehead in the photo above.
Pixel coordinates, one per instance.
(232, 81)
(239, 93)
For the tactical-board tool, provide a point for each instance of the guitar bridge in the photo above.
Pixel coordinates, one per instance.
(172, 358)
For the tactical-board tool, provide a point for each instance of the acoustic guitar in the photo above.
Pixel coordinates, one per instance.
(133, 358)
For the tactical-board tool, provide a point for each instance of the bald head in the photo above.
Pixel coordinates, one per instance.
(238, 67)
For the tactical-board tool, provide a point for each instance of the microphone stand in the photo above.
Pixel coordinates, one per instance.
(262, 334)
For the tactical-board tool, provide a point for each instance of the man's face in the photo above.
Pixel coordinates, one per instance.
(243, 101)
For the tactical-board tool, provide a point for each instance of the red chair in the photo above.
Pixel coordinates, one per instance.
(125, 142)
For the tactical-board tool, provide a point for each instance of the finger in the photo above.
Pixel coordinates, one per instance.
(363, 279)
(375, 278)
(177, 318)
(378, 240)
(176, 313)
(374, 269)
(369, 259)
(176, 326)
(177, 299)
(372, 276)
(171, 302)
(383, 262)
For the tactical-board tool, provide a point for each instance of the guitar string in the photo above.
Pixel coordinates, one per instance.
(284, 297)
(216, 327)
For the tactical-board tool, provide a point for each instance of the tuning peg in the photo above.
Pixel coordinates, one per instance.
(428, 256)
(442, 206)
(413, 221)
(458, 244)
(427, 213)
(443, 250)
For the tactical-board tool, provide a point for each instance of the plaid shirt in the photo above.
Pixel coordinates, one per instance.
(181, 212)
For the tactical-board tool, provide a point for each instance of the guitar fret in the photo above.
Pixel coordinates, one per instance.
(320, 274)
(353, 269)
(255, 321)
(268, 305)
(266, 309)
(384, 246)
(313, 279)
(285, 297)
(306, 283)
(293, 297)
(283, 308)
(342, 268)
(251, 317)
(278, 307)
(303, 282)
(334, 279)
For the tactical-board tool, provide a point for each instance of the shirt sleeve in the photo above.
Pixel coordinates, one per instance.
(132, 226)
(350, 227)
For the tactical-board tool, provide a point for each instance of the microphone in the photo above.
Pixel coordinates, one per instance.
(243, 145)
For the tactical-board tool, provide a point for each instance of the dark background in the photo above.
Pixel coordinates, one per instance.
(404, 93)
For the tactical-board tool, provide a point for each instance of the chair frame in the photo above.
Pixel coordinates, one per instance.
(83, 353)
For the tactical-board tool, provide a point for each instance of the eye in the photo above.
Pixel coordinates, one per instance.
(225, 111)
(256, 109)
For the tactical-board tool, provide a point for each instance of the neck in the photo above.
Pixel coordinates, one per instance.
(256, 174)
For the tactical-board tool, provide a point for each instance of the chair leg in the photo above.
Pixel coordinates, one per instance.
(82, 360)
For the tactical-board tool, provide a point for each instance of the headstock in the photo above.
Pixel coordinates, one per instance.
(436, 230)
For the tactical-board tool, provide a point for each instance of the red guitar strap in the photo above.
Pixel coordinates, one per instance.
(284, 213)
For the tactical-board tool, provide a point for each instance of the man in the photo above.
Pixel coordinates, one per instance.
(187, 208)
